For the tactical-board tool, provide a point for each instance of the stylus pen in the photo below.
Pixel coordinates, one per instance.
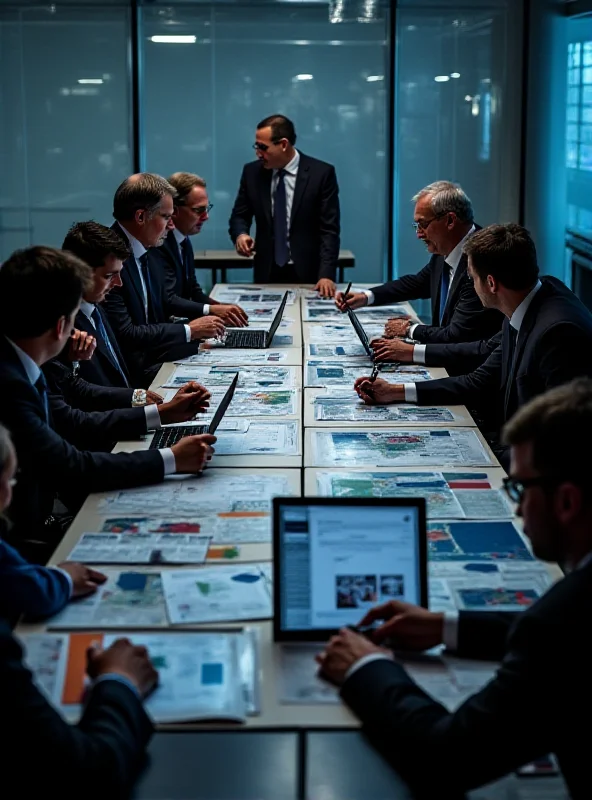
(345, 294)
(375, 371)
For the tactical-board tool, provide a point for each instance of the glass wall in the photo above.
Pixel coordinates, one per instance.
(324, 65)
(64, 118)
(578, 152)
(457, 110)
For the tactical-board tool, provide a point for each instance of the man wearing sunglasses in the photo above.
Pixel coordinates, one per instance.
(176, 259)
(295, 202)
(541, 697)
(443, 221)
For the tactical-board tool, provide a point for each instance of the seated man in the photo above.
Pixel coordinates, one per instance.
(49, 284)
(540, 699)
(546, 338)
(137, 306)
(176, 259)
(444, 222)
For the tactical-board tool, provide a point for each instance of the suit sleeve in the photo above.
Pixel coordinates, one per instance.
(461, 357)
(82, 394)
(495, 731)
(154, 338)
(469, 389)
(559, 355)
(329, 226)
(408, 287)
(28, 588)
(469, 321)
(90, 428)
(484, 634)
(241, 216)
(104, 750)
(175, 304)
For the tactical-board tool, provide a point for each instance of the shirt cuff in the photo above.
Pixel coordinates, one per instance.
(369, 295)
(206, 309)
(67, 576)
(187, 332)
(366, 660)
(410, 392)
(450, 632)
(168, 459)
(419, 354)
(113, 676)
(153, 422)
(411, 330)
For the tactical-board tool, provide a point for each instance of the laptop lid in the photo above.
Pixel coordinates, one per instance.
(221, 410)
(362, 336)
(335, 558)
(276, 320)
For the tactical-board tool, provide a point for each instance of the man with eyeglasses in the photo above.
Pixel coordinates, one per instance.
(176, 259)
(443, 221)
(295, 202)
(540, 700)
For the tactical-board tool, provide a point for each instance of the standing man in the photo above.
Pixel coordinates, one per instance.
(443, 221)
(176, 259)
(295, 202)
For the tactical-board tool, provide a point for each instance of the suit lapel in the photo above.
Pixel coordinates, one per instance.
(173, 248)
(265, 192)
(301, 181)
(437, 284)
(131, 269)
(525, 330)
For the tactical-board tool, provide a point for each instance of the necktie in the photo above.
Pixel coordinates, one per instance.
(280, 222)
(102, 331)
(41, 386)
(444, 287)
(187, 259)
(146, 275)
(513, 338)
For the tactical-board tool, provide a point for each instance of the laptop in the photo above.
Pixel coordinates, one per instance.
(166, 437)
(259, 339)
(362, 335)
(335, 558)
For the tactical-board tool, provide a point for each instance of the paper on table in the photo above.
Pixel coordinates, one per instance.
(221, 375)
(340, 331)
(262, 438)
(219, 594)
(299, 682)
(313, 311)
(232, 356)
(141, 548)
(254, 295)
(349, 407)
(333, 373)
(350, 350)
(483, 541)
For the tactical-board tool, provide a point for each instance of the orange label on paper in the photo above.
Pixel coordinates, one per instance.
(74, 681)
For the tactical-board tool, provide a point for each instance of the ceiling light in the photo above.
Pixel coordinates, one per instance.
(374, 78)
(455, 74)
(305, 76)
(468, 98)
(90, 80)
(173, 39)
(442, 78)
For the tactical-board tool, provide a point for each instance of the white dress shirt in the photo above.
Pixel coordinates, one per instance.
(180, 238)
(291, 170)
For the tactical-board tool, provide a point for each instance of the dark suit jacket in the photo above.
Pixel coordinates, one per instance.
(48, 463)
(539, 702)
(81, 394)
(461, 357)
(554, 346)
(314, 221)
(464, 320)
(99, 757)
(144, 344)
(184, 294)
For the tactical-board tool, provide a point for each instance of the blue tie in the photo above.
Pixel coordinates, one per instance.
(146, 275)
(280, 222)
(41, 386)
(444, 287)
(102, 331)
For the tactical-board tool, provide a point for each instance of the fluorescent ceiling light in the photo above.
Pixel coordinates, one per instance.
(172, 39)
(374, 78)
(442, 78)
(455, 74)
(303, 77)
(90, 80)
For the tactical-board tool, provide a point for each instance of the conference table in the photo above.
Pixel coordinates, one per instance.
(288, 750)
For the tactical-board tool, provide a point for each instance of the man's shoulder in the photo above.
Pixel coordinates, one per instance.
(315, 163)
(557, 304)
(164, 252)
(569, 599)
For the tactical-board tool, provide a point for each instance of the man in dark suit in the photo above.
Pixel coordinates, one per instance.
(49, 283)
(176, 259)
(443, 222)
(295, 202)
(540, 700)
(138, 310)
(99, 757)
(546, 337)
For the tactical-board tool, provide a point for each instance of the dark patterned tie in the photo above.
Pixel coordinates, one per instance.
(444, 287)
(102, 331)
(41, 386)
(146, 275)
(280, 222)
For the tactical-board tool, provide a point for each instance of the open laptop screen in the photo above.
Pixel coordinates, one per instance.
(336, 558)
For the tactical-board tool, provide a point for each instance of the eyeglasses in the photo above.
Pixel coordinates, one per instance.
(515, 488)
(423, 225)
(265, 147)
(201, 210)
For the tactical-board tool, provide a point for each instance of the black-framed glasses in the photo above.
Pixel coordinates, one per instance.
(515, 487)
(423, 224)
(265, 147)
(201, 210)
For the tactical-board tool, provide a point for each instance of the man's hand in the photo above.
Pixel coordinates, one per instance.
(398, 326)
(343, 651)
(125, 659)
(208, 327)
(84, 580)
(193, 452)
(379, 392)
(406, 626)
(354, 300)
(189, 401)
(81, 346)
(392, 350)
(232, 316)
(153, 399)
(245, 245)
(326, 287)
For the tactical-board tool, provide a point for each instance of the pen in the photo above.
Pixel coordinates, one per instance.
(345, 294)
(375, 371)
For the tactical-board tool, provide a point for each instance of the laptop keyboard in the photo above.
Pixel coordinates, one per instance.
(167, 437)
(244, 338)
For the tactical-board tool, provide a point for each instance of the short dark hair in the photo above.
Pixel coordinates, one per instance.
(559, 426)
(184, 182)
(506, 252)
(38, 287)
(142, 191)
(92, 242)
(281, 128)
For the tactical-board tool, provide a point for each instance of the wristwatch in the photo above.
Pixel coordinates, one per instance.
(139, 398)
